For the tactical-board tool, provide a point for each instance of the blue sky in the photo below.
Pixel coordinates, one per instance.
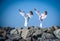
(9, 14)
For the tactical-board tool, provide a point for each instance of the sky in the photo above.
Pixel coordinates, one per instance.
(9, 14)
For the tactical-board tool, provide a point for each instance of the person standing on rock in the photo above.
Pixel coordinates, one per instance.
(26, 16)
(41, 16)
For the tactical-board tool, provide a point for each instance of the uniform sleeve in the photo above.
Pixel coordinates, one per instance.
(38, 13)
(30, 16)
(23, 14)
(43, 17)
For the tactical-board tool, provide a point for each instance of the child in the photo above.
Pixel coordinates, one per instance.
(41, 16)
(26, 16)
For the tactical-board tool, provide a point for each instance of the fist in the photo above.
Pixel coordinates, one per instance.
(19, 10)
(35, 9)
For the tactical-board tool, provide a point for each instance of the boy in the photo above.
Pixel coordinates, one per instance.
(41, 16)
(26, 16)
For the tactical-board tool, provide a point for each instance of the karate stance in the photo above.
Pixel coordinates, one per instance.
(41, 16)
(26, 16)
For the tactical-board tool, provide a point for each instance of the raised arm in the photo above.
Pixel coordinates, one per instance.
(37, 12)
(22, 13)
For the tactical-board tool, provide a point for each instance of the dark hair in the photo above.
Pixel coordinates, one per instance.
(31, 12)
(45, 12)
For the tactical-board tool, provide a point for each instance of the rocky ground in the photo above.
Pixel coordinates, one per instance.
(32, 33)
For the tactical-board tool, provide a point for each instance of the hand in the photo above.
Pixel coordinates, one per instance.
(35, 9)
(19, 10)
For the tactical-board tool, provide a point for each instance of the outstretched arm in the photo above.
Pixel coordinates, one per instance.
(22, 13)
(37, 12)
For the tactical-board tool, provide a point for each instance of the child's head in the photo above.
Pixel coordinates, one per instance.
(45, 12)
(31, 13)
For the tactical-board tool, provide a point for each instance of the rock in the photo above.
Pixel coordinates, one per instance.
(15, 40)
(47, 36)
(34, 38)
(16, 31)
(30, 33)
(45, 29)
(57, 33)
(50, 30)
(24, 33)
(37, 28)
(19, 30)
(15, 34)
(28, 39)
(12, 37)
(52, 40)
(8, 40)
(8, 29)
(23, 40)
(27, 32)
(37, 32)
(2, 40)
(55, 27)
(2, 33)
(31, 27)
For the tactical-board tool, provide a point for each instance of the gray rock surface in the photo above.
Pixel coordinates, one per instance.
(30, 33)
(57, 33)
(47, 36)
(24, 33)
(37, 32)
(52, 40)
(28, 39)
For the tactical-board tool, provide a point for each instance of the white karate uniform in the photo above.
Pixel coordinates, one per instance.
(26, 17)
(41, 17)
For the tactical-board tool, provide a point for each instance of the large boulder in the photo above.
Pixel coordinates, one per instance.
(8, 40)
(27, 33)
(34, 38)
(57, 33)
(50, 30)
(2, 34)
(28, 39)
(16, 31)
(52, 40)
(15, 34)
(19, 30)
(24, 33)
(30, 33)
(45, 29)
(37, 33)
(23, 40)
(12, 37)
(55, 27)
(47, 36)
